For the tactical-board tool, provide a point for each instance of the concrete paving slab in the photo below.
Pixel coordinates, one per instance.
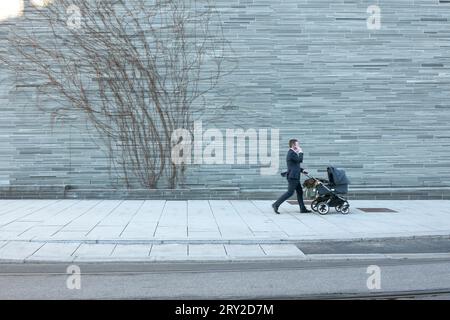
(169, 232)
(207, 250)
(131, 251)
(18, 226)
(65, 235)
(140, 232)
(237, 250)
(169, 251)
(105, 232)
(69, 215)
(18, 250)
(39, 232)
(200, 217)
(86, 251)
(150, 211)
(55, 251)
(49, 211)
(282, 250)
(21, 212)
(10, 235)
(204, 235)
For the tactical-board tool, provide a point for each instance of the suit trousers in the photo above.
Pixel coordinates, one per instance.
(293, 185)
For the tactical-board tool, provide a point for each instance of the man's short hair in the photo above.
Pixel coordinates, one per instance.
(292, 142)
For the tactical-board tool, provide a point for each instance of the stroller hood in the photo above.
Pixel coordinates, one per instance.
(337, 176)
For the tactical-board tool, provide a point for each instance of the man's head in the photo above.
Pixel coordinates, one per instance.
(293, 143)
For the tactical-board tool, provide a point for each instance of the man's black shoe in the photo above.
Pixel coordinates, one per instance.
(275, 208)
(305, 211)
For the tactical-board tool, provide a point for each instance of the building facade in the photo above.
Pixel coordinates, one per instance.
(363, 84)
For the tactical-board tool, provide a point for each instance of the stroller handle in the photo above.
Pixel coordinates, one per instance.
(310, 176)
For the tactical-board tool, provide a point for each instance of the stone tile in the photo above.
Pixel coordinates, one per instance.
(206, 250)
(132, 251)
(105, 232)
(94, 251)
(39, 232)
(9, 235)
(169, 251)
(250, 250)
(18, 226)
(55, 251)
(19, 250)
(69, 235)
(164, 232)
(282, 250)
(204, 235)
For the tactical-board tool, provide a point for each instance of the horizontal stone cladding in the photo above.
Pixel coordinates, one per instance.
(374, 102)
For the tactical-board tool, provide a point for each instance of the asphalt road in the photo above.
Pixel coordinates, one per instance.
(395, 245)
(251, 280)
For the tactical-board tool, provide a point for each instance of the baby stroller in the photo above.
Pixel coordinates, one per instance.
(330, 194)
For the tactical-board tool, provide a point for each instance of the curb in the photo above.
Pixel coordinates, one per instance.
(231, 259)
(212, 258)
(381, 237)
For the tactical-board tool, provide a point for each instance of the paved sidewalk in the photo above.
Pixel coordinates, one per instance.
(68, 230)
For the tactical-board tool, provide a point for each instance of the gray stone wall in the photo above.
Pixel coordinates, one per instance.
(374, 102)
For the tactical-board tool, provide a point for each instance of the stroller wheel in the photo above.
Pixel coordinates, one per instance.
(345, 208)
(338, 208)
(323, 208)
(314, 206)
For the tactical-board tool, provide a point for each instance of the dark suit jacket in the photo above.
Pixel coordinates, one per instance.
(293, 161)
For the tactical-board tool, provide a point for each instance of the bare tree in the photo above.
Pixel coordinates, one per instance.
(137, 69)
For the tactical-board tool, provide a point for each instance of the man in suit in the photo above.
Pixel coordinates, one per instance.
(293, 160)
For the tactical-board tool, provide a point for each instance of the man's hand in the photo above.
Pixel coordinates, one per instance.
(298, 149)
